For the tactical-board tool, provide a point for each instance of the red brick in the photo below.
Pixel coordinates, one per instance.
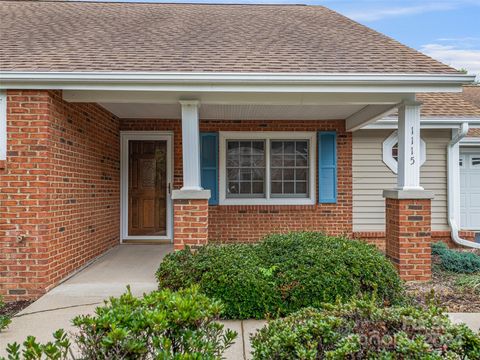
(49, 140)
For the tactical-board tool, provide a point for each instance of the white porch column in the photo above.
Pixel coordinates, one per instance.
(191, 145)
(3, 125)
(409, 146)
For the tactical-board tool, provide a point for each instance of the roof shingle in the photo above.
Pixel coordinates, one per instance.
(87, 36)
(447, 105)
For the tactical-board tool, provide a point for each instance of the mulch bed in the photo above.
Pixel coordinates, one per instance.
(14, 307)
(446, 294)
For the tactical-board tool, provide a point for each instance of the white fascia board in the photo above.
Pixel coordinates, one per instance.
(472, 141)
(428, 123)
(261, 82)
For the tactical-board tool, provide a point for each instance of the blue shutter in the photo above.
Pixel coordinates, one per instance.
(327, 167)
(209, 164)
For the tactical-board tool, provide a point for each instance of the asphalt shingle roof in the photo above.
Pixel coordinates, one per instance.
(83, 36)
(447, 105)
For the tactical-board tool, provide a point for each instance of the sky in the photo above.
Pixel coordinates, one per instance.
(447, 30)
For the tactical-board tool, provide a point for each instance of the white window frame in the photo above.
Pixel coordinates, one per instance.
(388, 158)
(267, 136)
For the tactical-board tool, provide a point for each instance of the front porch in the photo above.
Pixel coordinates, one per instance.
(72, 149)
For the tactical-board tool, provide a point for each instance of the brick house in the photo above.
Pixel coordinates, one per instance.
(127, 123)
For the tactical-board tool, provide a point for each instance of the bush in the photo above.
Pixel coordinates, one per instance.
(360, 330)
(161, 325)
(282, 274)
(456, 261)
(4, 319)
(59, 349)
(469, 282)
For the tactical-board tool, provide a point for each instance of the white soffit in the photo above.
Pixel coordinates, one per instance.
(235, 112)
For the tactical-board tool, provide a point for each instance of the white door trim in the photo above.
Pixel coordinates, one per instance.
(125, 137)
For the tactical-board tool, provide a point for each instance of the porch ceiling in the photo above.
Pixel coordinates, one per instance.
(235, 112)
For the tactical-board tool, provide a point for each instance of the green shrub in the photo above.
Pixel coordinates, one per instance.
(361, 330)
(160, 325)
(282, 274)
(456, 261)
(59, 349)
(469, 282)
(4, 319)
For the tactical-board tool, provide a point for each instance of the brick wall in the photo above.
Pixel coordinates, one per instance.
(408, 237)
(377, 238)
(59, 199)
(191, 223)
(249, 223)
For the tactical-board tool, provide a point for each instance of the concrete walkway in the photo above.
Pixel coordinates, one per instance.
(133, 265)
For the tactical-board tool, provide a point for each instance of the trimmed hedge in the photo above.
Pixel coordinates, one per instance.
(456, 261)
(160, 325)
(360, 330)
(283, 274)
(4, 319)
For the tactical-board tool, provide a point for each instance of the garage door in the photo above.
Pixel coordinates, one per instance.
(470, 190)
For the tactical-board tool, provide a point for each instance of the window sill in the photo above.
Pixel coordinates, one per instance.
(278, 201)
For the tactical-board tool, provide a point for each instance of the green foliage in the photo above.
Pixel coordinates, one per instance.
(361, 330)
(283, 274)
(160, 325)
(469, 282)
(4, 319)
(456, 261)
(58, 349)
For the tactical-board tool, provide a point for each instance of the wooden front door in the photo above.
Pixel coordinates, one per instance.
(147, 188)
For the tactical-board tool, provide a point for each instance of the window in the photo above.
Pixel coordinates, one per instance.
(245, 168)
(475, 161)
(289, 168)
(267, 168)
(390, 152)
(395, 152)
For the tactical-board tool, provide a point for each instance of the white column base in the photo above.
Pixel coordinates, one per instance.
(410, 188)
(191, 188)
(408, 194)
(191, 194)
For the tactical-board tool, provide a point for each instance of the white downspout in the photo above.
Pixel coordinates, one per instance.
(454, 187)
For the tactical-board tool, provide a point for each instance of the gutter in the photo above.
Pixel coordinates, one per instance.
(150, 80)
(454, 186)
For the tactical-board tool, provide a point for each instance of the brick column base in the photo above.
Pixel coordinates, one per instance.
(408, 233)
(190, 219)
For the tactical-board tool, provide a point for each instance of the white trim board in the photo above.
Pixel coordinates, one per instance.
(125, 137)
(428, 123)
(470, 141)
(259, 82)
(267, 135)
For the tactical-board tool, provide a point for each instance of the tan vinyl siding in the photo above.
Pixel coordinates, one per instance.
(371, 176)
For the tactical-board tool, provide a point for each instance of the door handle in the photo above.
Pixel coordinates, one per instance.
(169, 186)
